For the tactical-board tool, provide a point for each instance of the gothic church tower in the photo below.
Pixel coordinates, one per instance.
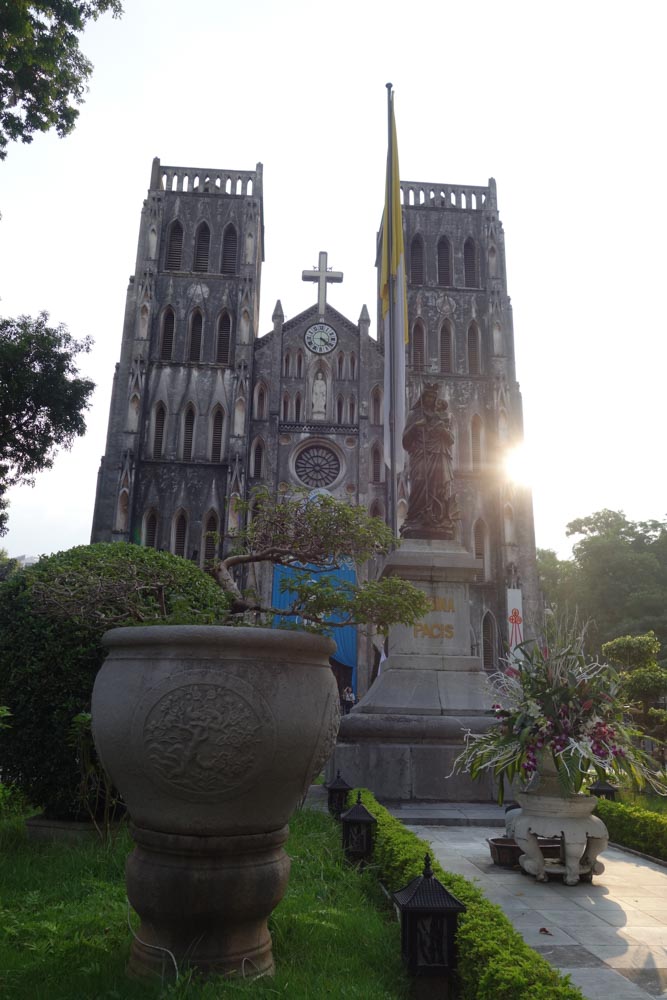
(461, 336)
(178, 425)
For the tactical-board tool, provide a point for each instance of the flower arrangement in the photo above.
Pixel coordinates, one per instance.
(558, 705)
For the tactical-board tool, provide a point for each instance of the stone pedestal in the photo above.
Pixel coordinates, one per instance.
(402, 738)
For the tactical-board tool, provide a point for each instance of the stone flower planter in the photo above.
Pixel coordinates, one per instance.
(212, 734)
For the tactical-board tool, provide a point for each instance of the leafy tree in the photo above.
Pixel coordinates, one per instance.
(7, 565)
(43, 73)
(632, 651)
(42, 397)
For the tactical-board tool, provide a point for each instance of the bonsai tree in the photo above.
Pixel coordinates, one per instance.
(644, 681)
(315, 535)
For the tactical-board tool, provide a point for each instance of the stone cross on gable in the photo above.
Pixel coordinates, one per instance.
(322, 275)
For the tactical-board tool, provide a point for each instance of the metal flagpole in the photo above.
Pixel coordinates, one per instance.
(389, 222)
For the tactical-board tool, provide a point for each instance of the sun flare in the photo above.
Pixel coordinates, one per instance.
(518, 466)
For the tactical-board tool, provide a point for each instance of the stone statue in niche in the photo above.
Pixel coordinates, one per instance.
(428, 439)
(319, 397)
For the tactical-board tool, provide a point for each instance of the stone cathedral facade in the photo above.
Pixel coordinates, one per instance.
(205, 406)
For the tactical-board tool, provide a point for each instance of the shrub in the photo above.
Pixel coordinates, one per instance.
(52, 617)
(634, 827)
(494, 963)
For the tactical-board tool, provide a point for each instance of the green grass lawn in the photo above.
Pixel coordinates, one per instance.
(64, 933)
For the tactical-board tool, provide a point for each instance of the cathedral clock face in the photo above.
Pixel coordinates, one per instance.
(320, 338)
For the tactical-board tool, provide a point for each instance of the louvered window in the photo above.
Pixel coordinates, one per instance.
(158, 436)
(188, 431)
(418, 346)
(446, 348)
(229, 250)
(210, 540)
(151, 530)
(339, 409)
(261, 404)
(195, 337)
(258, 460)
(174, 247)
(216, 436)
(470, 263)
(202, 243)
(444, 262)
(417, 261)
(376, 465)
(479, 540)
(167, 345)
(473, 350)
(476, 443)
(224, 338)
(179, 535)
(297, 409)
(376, 407)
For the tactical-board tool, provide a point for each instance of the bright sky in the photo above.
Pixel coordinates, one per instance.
(564, 104)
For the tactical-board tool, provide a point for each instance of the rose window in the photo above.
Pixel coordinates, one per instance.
(317, 465)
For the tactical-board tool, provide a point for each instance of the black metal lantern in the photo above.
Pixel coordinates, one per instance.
(428, 914)
(604, 790)
(337, 795)
(358, 832)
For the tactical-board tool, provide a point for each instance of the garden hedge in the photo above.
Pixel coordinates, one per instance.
(52, 618)
(631, 826)
(494, 963)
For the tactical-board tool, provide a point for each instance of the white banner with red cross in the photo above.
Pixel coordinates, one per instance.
(514, 620)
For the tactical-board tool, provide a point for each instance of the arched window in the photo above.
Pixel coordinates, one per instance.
(167, 340)
(479, 543)
(174, 247)
(376, 464)
(341, 364)
(122, 511)
(353, 366)
(258, 460)
(150, 530)
(286, 365)
(133, 414)
(376, 405)
(217, 425)
(417, 261)
(196, 322)
(244, 327)
(202, 243)
(158, 430)
(474, 366)
(488, 642)
(418, 346)
(229, 250)
(493, 262)
(476, 443)
(297, 409)
(503, 428)
(508, 525)
(260, 403)
(180, 533)
(210, 540)
(444, 261)
(339, 410)
(299, 365)
(498, 348)
(286, 407)
(352, 410)
(188, 433)
(224, 338)
(470, 270)
(446, 347)
(377, 510)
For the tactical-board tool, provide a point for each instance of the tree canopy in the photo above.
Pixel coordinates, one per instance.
(42, 398)
(43, 73)
(617, 577)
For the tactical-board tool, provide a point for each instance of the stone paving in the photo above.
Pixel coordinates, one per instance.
(609, 936)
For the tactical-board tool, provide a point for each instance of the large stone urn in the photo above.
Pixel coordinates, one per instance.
(212, 734)
(548, 813)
